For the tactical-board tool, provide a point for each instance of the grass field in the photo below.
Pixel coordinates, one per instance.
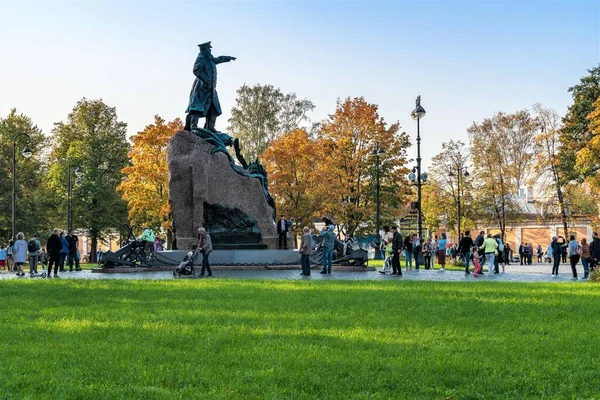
(239, 339)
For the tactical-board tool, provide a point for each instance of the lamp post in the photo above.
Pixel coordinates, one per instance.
(417, 114)
(79, 174)
(376, 152)
(460, 173)
(26, 153)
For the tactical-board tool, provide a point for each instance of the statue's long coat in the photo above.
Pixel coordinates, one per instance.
(203, 94)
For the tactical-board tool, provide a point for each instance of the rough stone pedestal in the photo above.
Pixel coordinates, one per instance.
(197, 177)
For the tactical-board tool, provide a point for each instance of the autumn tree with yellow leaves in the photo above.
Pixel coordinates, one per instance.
(146, 184)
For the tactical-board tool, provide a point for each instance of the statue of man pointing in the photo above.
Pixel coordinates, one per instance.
(204, 102)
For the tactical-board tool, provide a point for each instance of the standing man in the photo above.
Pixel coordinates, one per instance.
(33, 247)
(556, 253)
(54, 247)
(465, 250)
(204, 247)
(396, 250)
(305, 251)
(282, 230)
(479, 240)
(73, 241)
(328, 237)
(521, 253)
(595, 250)
(204, 102)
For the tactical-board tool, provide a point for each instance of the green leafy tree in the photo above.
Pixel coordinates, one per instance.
(502, 152)
(93, 139)
(30, 199)
(263, 113)
(576, 130)
(440, 204)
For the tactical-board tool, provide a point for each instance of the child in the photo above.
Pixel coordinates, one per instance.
(44, 258)
(475, 252)
(388, 258)
(2, 258)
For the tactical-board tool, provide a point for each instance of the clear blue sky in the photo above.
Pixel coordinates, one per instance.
(466, 59)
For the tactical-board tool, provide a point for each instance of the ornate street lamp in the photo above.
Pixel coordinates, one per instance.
(376, 152)
(26, 153)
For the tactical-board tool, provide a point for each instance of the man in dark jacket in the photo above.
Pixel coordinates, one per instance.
(282, 230)
(53, 247)
(396, 249)
(479, 242)
(465, 250)
(595, 250)
(73, 240)
(556, 253)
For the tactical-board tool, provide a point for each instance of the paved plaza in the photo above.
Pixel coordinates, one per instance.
(514, 273)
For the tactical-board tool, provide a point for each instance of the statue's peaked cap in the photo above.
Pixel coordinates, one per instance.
(201, 45)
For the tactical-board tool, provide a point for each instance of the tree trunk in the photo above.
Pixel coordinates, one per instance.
(561, 204)
(94, 246)
(169, 239)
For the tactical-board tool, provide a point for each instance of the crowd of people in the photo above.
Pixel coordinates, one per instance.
(59, 248)
(485, 250)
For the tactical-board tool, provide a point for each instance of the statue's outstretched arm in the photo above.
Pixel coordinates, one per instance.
(222, 59)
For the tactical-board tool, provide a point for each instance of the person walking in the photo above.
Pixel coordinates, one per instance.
(476, 263)
(479, 242)
(396, 250)
(417, 247)
(585, 258)
(63, 252)
(556, 253)
(33, 247)
(10, 261)
(499, 259)
(434, 250)
(305, 251)
(465, 250)
(2, 258)
(529, 254)
(54, 247)
(72, 242)
(427, 253)
(595, 251)
(328, 240)
(442, 252)
(408, 247)
(20, 253)
(574, 255)
(44, 258)
(158, 246)
(490, 248)
(540, 253)
(282, 231)
(507, 253)
(563, 252)
(204, 247)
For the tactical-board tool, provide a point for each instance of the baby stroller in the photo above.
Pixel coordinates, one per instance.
(186, 268)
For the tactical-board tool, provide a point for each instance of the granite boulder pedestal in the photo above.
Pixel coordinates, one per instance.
(206, 191)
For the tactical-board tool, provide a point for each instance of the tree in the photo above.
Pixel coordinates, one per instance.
(576, 132)
(348, 167)
(502, 149)
(262, 114)
(94, 139)
(442, 189)
(547, 167)
(146, 184)
(587, 157)
(290, 161)
(30, 197)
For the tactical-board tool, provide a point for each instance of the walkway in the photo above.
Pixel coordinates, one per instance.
(514, 273)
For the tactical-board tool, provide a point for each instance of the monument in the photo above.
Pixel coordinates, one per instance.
(208, 187)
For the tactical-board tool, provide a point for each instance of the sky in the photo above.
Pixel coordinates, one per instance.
(467, 60)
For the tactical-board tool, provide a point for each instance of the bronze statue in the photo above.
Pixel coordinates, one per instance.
(204, 102)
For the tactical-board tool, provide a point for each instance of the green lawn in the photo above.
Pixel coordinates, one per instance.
(241, 339)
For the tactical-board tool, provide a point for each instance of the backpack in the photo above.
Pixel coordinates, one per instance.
(501, 246)
(31, 246)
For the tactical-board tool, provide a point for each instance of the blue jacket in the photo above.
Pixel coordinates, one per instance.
(65, 245)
